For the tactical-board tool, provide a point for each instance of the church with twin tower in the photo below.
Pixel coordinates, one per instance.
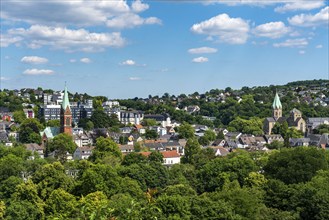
(66, 115)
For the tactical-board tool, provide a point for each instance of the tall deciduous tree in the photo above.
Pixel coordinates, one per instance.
(100, 119)
(192, 148)
(29, 131)
(185, 130)
(296, 165)
(19, 116)
(62, 144)
(105, 147)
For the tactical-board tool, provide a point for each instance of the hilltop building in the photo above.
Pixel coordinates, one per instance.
(294, 120)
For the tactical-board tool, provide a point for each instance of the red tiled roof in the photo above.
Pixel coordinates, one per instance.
(170, 154)
(139, 126)
(146, 154)
(165, 154)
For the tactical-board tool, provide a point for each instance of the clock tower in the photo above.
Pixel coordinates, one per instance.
(66, 114)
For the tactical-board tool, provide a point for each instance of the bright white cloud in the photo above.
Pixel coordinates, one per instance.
(202, 50)
(134, 78)
(301, 52)
(318, 46)
(72, 60)
(271, 30)
(138, 6)
(6, 40)
(200, 60)
(38, 72)
(85, 60)
(228, 30)
(34, 60)
(300, 5)
(130, 20)
(128, 63)
(299, 43)
(309, 20)
(243, 2)
(2, 78)
(67, 39)
(79, 13)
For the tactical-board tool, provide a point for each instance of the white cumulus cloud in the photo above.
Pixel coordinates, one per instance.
(134, 78)
(271, 30)
(309, 20)
(128, 63)
(319, 46)
(72, 60)
(6, 40)
(2, 78)
(301, 52)
(300, 5)
(85, 60)
(67, 39)
(34, 60)
(139, 6)
(130, 20)
(299, 43)
(228, 30)
(200, 60)
(79, 13)
(202, 50)
(38, 72)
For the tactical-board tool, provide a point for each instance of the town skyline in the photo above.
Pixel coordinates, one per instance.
(132, 48)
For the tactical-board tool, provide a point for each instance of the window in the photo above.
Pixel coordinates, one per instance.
(68, 121)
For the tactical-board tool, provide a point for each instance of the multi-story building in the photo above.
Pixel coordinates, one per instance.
(51, 112)
(111, 104)
(132, 117)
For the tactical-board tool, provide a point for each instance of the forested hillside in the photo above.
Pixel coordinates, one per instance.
(286, 184)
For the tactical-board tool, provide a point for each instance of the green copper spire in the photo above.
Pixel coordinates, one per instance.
(277, 102)
(65, 99)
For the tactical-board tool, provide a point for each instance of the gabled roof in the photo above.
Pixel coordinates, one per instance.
(50, 132)
(295, 110)
(34, 146)
(170, 154)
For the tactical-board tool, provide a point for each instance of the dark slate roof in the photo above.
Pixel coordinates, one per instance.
(156, 117)
(270, 119)
(324, 140)
(4, 110)
(3, 136)
(296, 141)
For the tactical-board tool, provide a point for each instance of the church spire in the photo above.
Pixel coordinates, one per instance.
(66, 115)
(277, 107)
(65, 102)
(277, 102)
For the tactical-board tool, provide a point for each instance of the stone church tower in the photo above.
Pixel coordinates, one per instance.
(66, 115)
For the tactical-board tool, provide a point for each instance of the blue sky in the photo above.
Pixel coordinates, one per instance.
(124, 49)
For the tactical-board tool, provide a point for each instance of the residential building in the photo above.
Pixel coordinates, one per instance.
(50, 112)
(82, 153)
(296, 142)
(131, 117)
(313, 123)
(29, 113)
(36, 148)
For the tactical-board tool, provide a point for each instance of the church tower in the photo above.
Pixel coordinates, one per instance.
(277, 107)
(66, 115)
